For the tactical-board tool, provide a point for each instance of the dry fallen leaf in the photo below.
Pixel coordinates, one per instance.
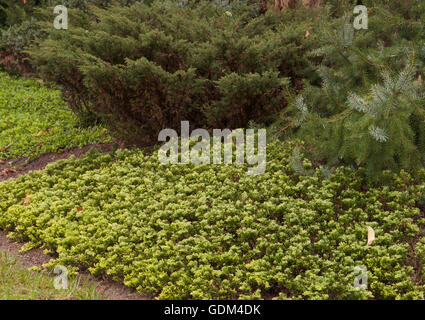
(370, 235)
(6, 171)
(307, 34)
(26, 199)
(79, 209)
(40, 133)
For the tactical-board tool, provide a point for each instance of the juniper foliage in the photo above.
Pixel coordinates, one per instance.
(145, 68)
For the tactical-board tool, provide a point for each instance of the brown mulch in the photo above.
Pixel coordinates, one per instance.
(13, 168)
(36, 257)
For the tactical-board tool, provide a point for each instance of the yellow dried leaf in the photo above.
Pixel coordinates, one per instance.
(26, 199)
(40, 133)
(370, 235)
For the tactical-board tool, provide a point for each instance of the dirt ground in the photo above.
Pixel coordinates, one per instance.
(7, 167)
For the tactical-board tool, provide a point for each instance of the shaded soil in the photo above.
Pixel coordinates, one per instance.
(13, 168)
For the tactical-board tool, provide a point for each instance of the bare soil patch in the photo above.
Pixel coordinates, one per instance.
(13, 168)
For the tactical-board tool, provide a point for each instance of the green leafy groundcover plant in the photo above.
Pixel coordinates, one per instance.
(212, 231)
(34, 120)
